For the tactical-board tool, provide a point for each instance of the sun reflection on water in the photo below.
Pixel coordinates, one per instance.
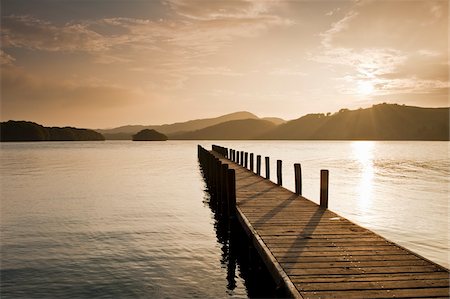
(363, 154)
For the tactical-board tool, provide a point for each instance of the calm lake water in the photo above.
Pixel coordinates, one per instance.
(124, 219)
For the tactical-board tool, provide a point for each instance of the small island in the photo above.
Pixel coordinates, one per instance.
(149, 135)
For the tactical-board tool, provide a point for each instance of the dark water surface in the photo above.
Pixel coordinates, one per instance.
(124, 219)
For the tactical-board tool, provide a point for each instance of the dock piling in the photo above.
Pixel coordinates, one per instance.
(267, 168)
(324, 188)
(279, 174)
(245, 159)
(258, 165)
(225, 195)
(231, 192)
(251, 161)
(298, 178)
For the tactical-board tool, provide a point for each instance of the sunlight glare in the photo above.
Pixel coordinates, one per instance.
(365, 87)
(363, 153)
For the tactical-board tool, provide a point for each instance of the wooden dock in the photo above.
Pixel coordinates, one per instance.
(309, 250)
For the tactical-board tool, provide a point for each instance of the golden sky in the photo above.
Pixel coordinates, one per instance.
(101, 64)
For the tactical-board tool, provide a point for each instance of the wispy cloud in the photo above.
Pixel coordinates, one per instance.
(6, 59)
(381, 60)
(336, 28)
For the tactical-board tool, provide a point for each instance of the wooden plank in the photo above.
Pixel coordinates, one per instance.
(362, 270)
(361, 258)
(387, 293)
(351, 264)
(441, 275)
(372, 285)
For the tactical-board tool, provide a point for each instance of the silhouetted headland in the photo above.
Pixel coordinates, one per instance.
(149, 135)
(30, 131)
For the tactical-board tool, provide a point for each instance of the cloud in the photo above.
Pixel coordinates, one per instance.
(382, 44)
(391, 24)
(288, 72)
(201, 35)
(368, 62)
(31, 33)
(337, 27)
(6, 59)
(214, 10)
(165, 49)
(22, 90)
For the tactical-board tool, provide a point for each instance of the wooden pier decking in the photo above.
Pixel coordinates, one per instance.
(315, 253)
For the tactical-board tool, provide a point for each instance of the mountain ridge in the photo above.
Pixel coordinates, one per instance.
(378, 122)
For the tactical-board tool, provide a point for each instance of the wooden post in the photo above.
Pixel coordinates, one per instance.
(267, 168)
(231, 192)
(237, 157)
(210, 171)
(251, 161)
(324, 188)
(242, 158)
(225, 195)
(298, 178)
(217, 167)
(279, 174)
(258, 165)
(219, 189)
(245, 159)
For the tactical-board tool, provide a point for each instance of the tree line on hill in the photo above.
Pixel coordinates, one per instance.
(30, 131)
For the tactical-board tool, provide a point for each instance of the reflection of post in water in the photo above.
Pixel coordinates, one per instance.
(237, 250)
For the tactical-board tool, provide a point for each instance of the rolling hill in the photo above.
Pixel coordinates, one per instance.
(230, 130)
(125, 132)
(380, 122)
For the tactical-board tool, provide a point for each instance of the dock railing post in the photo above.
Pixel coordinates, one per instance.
(279, 173)
(219, 191)
(242, 158)
(324, 188)
(298, 178)
(217, 167)
(245, 159)
(231, 192)
(251, 161)
(237, 157)
(267, 168)
(225, 195)
(258, 165)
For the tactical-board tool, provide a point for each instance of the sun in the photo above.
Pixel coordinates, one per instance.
(365, 87)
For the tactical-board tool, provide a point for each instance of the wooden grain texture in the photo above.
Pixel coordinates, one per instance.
(316, 253)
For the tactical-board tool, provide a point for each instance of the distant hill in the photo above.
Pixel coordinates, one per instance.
(30, 131)
(149, 135)
(125, 132)
(275, 120)
(380, 122)
(235, 129)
